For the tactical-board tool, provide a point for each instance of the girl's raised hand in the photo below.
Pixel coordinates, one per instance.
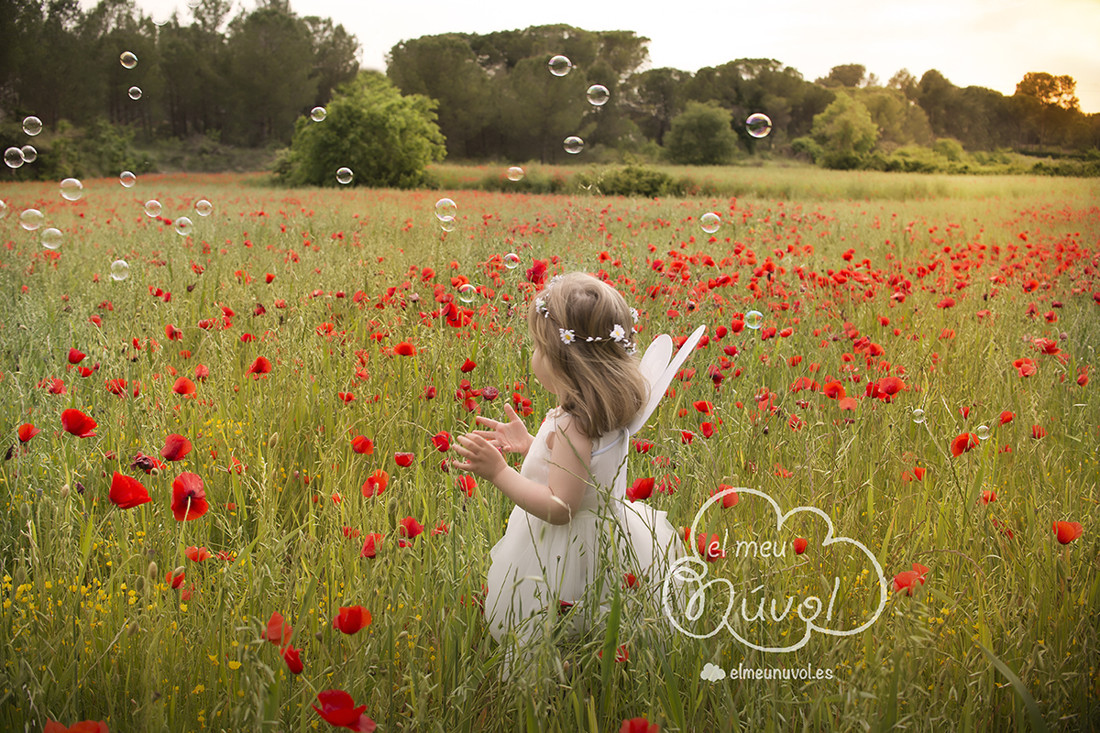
(509, 437)
(481, 457)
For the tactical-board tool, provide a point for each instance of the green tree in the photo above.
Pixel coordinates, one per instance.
(845, 132)
(845, 75)
(658, 96)
(1049, 90)
(702, 135)
(386, 139)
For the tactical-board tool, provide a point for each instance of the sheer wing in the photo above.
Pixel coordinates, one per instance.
(664, 377)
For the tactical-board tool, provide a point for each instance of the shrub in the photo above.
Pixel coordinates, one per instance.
(701, 135)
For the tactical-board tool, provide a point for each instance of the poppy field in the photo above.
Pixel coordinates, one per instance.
(227, 501)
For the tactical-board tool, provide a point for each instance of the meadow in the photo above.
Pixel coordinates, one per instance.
(924, 374)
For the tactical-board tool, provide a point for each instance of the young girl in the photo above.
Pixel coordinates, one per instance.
(572, 534)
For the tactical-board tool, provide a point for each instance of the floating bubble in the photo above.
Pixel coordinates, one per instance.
(710, 222)
(344, 176)
(30, 154)
(515, 173)
(445, 208)
(127, 179)
(511, 260)
(51, 238)
(120, 270)
(72, 189)
(573, 145)
(32, 125)
(982, 432)
(560, 65)
(447, 223)
(152, 207)
(13, 158)
(204, 207)
(3, 208)
(183, 226)
(318, 114)
(127, 59)
(134, 93)
(758, 125)
(754, 319)
(598, 95)
(161, 17)
(31, 219)
(918, 416)
(467, 293)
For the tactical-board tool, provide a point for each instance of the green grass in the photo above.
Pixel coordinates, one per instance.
(1002, 632)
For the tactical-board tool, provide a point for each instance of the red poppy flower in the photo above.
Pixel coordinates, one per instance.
(918, 472)
(962, 443)
(174, 578)
(440, 528)
(642, 488)
(175, 447)
(988, 496)
(183, 386)
(371, 545)
(1068, 531)
(197, 554)
(84, 726)
(410, 528)
(707, 429)
(116, 387)
(536, 273)
(27, 431)
(77, 423)
(686, 436)
(1006, 417)
(709, 547)
(466, 484)
(337, 708)
(260, 366)
(126, 492)
(467, 366)
(351, 619)
(403, 459)
(848, 404)
(703, 406)
(172, 333)
(1025, 367)
(361, 445)
(404, 349)
(202, 372)
(728, 500)
(76, 356)
(1037, 432)
(442, 441)
(188, 497)
(621, 654)
(278, 630)
(375, 484)
(346, 397)
(293, 659)
(833, 390)
(909, 579)
(639, 725)
(643, 446)
(800, 544)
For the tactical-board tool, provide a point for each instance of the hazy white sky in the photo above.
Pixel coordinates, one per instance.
(989, 43)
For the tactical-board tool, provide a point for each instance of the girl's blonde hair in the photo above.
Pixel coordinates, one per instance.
(598, 382)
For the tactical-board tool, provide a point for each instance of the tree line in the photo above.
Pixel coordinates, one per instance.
(245, 80)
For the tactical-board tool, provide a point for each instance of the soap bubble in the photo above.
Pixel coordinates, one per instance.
(127, 59)
(758, 125)
(573, 145)
(754, 319)
(183, 226)
(30, 154)
(511, 260)
(13, 157)
(515, 173)
(318, 114)
(982, 432)
(127, 179)
(447, 223)
(445, 208)
(134, 93)
(560, 65)
(467, 293)
(51, 238)
(152, 207)
(160, 17)
(72, 189)
(598, 95)
(32, 125)
(120, 270)
(204, 207)
(31, 219)
(344, 176)
(710, 222)
(3, 208)
(918, 416)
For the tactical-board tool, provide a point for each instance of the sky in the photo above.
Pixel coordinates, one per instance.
(987, 43)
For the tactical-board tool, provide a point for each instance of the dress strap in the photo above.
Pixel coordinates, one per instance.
(624, 433)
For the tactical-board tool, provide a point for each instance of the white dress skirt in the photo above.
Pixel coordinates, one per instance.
(538, 566)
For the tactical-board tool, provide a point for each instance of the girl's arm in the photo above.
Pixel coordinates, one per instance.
(510, 437)
(556, 503)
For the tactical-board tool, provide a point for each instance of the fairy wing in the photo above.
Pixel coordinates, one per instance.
(659, 378)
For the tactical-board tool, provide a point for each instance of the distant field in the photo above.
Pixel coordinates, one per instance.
(925, 374)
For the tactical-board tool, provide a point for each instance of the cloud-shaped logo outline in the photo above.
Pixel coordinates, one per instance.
(781, 518)
(712, 673)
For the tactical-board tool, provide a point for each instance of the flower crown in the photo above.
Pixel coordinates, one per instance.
(568, 336)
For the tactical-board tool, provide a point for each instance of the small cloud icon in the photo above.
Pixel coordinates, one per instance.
(712, 673)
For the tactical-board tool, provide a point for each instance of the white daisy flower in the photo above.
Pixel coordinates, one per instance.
(634, 314)
(618, 333)
(567, 336)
